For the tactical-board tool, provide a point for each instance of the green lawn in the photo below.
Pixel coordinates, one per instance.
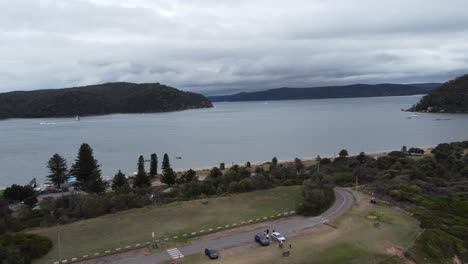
(356, 240)
(135, 226)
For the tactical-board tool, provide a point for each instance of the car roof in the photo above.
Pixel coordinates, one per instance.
(276, 233)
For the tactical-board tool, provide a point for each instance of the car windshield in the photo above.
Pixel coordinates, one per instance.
(212, 251)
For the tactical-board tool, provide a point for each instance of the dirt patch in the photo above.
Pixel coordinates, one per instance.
(394, 251)
(372, 217)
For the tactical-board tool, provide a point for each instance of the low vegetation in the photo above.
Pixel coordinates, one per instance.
(174, 219)
(22, 248)
(434, 187)
(356, 240)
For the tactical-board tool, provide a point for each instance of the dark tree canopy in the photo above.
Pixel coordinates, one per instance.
(215, 173)
(298, 165)
(95, 183)
(355, 90)
(141, 179)
(274, 161)
(343, 153)
(85, 165)
(119, 181)
(18, 193)
(189, 176)
(168, 175)
(154, 165)
(317, 197)
(166, 163)
(451, 96)
(58, 170)
(99, 99)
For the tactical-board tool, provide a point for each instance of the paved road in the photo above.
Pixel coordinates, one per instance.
(289, 227)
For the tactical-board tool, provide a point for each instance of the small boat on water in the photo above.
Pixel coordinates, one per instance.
(441, 119)
(413, 117)
(178, 157)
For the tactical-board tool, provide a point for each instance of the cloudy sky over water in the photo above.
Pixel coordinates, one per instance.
(218, 47)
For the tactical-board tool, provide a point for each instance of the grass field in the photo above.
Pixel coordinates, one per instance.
(135, 226)
(356, 240)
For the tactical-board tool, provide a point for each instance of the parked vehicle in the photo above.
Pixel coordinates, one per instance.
(262, 239)
(278, 236)
(211, 253)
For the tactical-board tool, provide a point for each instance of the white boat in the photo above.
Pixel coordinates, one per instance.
(413, 116)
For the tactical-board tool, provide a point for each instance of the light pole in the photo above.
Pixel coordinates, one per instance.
(59, 244)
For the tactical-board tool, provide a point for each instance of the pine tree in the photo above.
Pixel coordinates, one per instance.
(85, 165)
(58, 170)
(95, 183)
(189, 176)
(168, 175)
(343, 153)
(141, 179)
(119, 181)
(165, 164)
(298, 164)
(274, 161)
(154, 165)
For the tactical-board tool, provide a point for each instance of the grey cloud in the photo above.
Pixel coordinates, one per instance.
(221, 46)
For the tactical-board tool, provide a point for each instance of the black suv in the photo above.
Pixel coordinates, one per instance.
(211, 253)
(262, 239)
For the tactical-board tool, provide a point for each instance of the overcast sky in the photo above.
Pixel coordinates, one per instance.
(217, 47)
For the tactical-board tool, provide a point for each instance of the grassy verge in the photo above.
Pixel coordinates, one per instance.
(136, 225)
(356, 240)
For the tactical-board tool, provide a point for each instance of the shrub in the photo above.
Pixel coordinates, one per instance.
(440, 245)
(316, 197)
(397, 154)
(18, 193)
(30, 246)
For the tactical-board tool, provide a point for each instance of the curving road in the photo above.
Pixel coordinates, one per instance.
(289, 227)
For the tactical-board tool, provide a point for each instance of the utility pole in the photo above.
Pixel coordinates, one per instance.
(59, 244)
(356, 182)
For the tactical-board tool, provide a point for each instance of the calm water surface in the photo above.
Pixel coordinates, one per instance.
(231, 132)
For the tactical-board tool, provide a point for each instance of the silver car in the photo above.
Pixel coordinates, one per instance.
(278, 236)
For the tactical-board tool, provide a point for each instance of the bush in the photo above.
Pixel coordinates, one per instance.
(30, 246)
(397, 154)
(440, 245)
(18, 193)
(316, 197)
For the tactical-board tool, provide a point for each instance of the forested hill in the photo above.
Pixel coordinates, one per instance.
(451, 96)
(99, 99)
(356, 90)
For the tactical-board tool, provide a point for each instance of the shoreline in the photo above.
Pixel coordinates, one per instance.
(377, 153)
(203, 171)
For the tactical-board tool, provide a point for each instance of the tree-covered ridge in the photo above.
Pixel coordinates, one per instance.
(348, 91)
(451, 96)
(99, 99)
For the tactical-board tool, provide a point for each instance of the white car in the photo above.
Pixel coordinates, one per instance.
(278, 236)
